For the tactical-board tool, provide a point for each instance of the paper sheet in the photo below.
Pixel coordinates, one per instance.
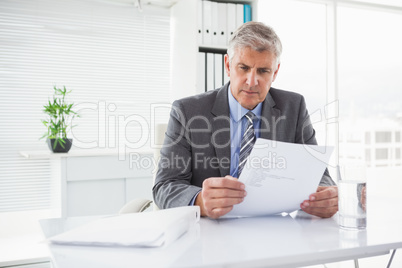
(147, 229)
(279, 176)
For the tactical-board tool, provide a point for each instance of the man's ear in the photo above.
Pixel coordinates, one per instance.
(276, 72)
(227, 65)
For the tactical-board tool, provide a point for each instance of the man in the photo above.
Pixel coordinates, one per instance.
(199, 162)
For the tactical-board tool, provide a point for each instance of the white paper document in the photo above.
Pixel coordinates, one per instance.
(147, 229)
(279, 176)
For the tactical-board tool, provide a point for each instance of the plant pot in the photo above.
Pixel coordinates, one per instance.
(59, 148)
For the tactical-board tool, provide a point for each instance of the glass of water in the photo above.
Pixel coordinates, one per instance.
(352, 189)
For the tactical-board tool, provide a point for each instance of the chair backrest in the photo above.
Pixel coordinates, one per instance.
(160, 130)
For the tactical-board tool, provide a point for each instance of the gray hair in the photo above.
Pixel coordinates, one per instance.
(257, 36)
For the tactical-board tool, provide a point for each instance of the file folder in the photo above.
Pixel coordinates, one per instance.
(199, 22)
(222, 24)
(207, 22)
(230, 20)
(146, 229)
(201, 73)
(247, 13)
(239, 15)
(210, 72)
(214, 26)
(218, 70)
(225, 75)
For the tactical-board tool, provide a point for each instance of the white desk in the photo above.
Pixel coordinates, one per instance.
(275, 241)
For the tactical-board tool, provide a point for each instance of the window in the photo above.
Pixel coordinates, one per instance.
(115, 60)
(368, 137)
(383, 137)
(368, 155)
(329, 53)
(304, 60)
(381, 154)
(369, 93)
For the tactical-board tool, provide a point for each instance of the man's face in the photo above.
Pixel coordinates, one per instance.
(251, 75)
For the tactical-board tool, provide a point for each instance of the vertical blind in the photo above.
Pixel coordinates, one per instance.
(115, 60)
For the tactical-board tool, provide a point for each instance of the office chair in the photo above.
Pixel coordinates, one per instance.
(141, 204)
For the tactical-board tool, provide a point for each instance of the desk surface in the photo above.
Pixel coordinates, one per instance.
(277, 241)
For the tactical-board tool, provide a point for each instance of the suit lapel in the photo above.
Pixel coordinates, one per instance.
(221, 126)
(221, 130)
(270, 115)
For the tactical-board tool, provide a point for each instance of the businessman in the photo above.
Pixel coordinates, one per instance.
(210, 135)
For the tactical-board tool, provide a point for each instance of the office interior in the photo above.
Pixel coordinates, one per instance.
(126, 61)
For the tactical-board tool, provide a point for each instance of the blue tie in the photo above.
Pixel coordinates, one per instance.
(247, 142)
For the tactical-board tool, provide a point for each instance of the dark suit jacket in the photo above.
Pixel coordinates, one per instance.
(197, 140)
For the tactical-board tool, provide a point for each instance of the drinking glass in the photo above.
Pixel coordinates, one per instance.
(352, 189)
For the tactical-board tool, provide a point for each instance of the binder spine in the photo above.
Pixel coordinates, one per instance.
(247, 13)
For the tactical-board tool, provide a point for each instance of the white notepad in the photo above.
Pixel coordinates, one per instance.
(147, 229)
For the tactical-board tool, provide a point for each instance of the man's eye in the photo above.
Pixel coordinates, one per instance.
(244, 68)
(264, 71)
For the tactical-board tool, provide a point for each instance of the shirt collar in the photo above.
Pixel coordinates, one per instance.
(237, 111)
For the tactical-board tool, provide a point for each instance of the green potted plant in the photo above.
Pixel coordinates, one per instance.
(60, 116)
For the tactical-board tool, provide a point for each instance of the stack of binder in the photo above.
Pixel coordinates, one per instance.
(212, 71)
(216, 22)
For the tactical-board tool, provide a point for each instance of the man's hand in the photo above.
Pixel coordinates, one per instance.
(218, 195)
(323, 203)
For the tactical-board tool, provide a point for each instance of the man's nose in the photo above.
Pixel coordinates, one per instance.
(252, 79)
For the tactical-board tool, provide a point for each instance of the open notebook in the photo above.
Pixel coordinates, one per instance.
(147, 229)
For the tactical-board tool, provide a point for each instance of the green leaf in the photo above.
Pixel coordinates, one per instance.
(55, 144)
(62, 142)
(60, 112)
